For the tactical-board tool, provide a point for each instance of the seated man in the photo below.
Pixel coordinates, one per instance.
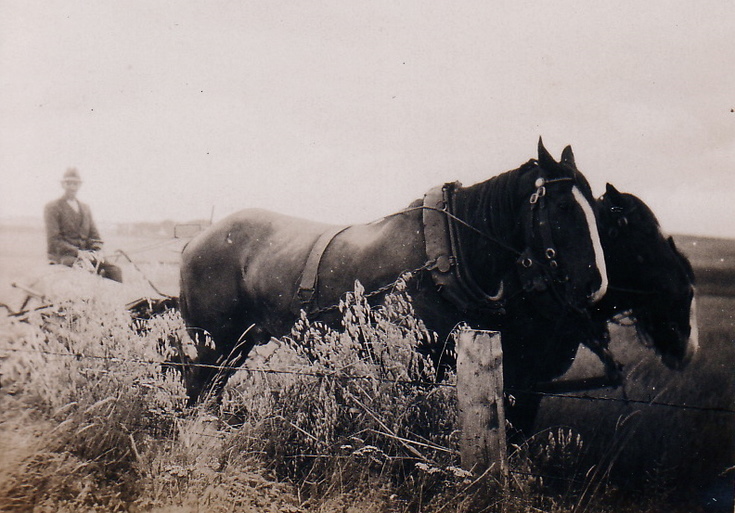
(71, 233)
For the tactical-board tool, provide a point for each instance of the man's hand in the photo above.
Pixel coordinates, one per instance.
(89, 259)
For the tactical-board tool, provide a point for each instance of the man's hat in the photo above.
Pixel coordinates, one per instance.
(71, 175)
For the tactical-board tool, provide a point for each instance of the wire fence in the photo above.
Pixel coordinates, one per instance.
(221, 431)
(337, 374)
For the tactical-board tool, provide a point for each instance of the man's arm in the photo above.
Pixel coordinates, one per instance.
(95, 241)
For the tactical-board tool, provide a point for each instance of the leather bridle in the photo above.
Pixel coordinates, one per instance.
(535, 275)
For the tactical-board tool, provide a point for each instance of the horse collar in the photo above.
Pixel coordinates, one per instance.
(451, 277)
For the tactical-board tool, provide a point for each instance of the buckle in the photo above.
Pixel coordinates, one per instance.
(305, 296)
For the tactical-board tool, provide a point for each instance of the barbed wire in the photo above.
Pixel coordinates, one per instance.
(222, 434)
(716, 409)
(314, 374)
(223, 429)
(336, 374)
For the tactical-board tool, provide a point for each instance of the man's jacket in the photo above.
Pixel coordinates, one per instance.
(68, 232)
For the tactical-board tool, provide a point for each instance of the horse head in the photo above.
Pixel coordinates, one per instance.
(649, 276)
(563, 259)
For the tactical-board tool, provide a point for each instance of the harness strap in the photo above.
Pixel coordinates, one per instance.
(544, 225)
(530, 278)
(310, 276)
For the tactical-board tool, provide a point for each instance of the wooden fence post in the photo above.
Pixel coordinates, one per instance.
(480, 399)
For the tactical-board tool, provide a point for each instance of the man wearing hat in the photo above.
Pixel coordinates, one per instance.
(71, 233)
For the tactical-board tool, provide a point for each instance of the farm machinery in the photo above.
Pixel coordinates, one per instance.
(44, 288)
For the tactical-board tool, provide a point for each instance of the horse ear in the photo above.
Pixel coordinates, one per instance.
(545, 159)
(567, 157)
(613, 194)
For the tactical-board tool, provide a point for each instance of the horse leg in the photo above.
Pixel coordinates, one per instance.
(213, 367)
(521, 414)
(198, 373)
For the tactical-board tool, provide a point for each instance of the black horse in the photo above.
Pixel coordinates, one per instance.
(530, 231)
(650, 280)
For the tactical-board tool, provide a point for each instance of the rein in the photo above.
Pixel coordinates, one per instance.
(463, 223)
(460, 287)
(404, 276)
(634, 291)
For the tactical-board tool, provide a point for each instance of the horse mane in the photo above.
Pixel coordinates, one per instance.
(493, 205)
(646, 217)
(639, 206)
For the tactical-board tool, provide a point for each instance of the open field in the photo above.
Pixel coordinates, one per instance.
(98, 435)
(714, 263)
(23, 248)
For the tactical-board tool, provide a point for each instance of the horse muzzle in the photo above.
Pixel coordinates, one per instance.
(680, 359)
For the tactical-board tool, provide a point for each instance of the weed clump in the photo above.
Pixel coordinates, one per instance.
(73, 374)
(349, 408)
(93, 418)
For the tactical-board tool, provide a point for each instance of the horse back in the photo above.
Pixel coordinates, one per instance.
(376, 254)
(247, 268)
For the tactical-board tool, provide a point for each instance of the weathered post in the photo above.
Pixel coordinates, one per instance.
(480, 400)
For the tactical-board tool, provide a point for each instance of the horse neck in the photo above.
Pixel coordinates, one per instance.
(492, 208)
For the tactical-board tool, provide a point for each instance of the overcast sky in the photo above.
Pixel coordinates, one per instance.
(345, 111)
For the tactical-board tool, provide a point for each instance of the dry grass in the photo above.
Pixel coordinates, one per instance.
(341, 430)
(676, 453)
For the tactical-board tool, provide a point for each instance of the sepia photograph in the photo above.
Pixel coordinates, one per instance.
(367, 257)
